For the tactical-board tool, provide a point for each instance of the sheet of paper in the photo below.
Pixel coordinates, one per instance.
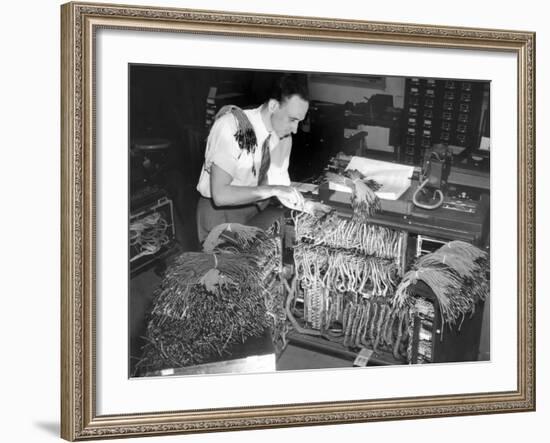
(394, 178)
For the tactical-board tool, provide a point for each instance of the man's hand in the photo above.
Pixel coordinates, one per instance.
(289, 196)
(293, 199)
(224, 194)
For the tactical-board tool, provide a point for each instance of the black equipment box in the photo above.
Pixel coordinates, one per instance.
(457, 343)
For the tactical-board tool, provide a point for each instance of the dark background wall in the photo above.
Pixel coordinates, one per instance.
(171, 103)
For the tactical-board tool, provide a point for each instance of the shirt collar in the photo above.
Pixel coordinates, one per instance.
(255, 118)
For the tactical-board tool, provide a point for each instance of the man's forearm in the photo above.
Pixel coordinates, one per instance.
(229, 195)
(225, 194)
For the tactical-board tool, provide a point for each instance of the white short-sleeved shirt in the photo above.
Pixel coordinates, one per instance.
(223, 150)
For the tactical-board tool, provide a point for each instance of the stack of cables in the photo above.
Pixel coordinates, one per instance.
(364, 202)
(458, 275)
(266, 248)
(148, 234)
(208, 301)
(346, 273)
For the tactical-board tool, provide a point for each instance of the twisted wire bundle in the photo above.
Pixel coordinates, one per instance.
(347, 272)
(211, 300)
(337, 232)
(375, 323)
(148, 234)
(266, 249)
(458, 275)
(344, 270)
(364, 201)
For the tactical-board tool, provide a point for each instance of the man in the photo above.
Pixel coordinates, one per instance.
(247, 156)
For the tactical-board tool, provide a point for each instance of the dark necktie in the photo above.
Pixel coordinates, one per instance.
(266, 160)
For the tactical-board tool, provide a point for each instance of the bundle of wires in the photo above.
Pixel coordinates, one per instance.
(334, 231)
(233, 236)
(344, 270)
(266, 249)
(148, 234)
(364, 201)
(458, 275)
(207, 302)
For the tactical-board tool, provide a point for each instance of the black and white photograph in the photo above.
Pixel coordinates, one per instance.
(283, 220)
(272, 219)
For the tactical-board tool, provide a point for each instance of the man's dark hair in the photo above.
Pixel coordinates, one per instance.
(288, 85)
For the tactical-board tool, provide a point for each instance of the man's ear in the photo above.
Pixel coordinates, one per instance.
(272, 105)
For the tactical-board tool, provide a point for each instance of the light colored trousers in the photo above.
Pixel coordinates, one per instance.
(210, 216)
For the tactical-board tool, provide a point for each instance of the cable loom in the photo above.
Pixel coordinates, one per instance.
(211, 300)
(458, 275)
(149, 234)
(346, 275)
(351, 278)
(349, 286)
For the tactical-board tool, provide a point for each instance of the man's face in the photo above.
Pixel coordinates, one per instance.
(288, 114)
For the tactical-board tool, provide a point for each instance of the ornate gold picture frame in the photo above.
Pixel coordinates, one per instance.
(79, 395)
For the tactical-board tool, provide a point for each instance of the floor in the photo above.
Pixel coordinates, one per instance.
(294, 357)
